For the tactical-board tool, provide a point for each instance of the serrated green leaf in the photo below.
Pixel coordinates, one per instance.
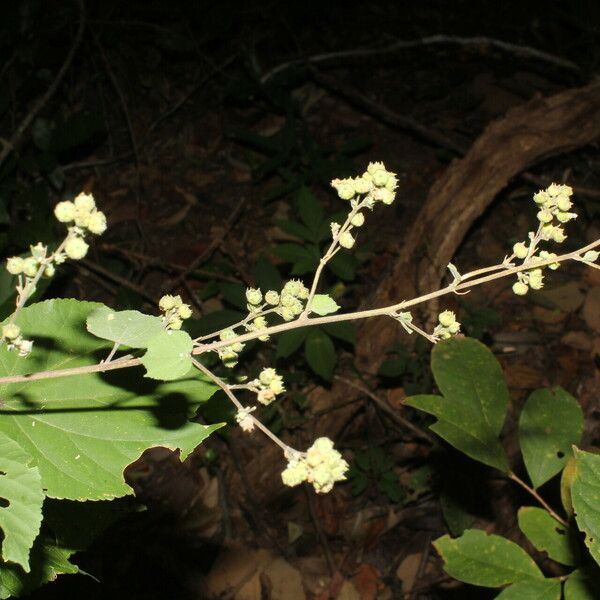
(343, 330)
(266, 275)
(475, 397)
(547, 535)
(21, 488)
(84, 430)
(169, 355)
(550, 423)
(298, 230)
(309, 209)
(320, 353)
(305, 265)
(289, 341)
(585, 494)
(126, 327)
(533, 589)
(343, 265)
(290, 252)
(486, 560)
(323, 304)
(583, 585)
(48, 561)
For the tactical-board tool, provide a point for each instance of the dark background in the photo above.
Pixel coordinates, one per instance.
(179, 114)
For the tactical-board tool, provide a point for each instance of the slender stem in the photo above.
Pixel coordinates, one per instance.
(226, 388)
(331, 252)
(305, 321)
(537, 496)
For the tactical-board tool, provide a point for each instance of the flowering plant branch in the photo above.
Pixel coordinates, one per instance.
(297, 305)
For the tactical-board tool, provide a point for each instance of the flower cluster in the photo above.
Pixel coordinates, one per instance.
(447, 325)
(268, 386)
(554, 204)
(12, 334)
(82, 216)
(30, 265)
(376, 184)
(245, 419)
(322, 466)
(175, 311)
(229, 354)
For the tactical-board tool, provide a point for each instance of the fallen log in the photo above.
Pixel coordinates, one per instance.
(525, 136)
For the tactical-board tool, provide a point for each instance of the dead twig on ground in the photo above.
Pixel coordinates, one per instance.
(433, 40)
(10, 145)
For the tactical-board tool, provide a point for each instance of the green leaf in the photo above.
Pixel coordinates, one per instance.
(21, 489)
(83, 430)
(323, 304)
(290, 252)
(289, 341)
(266, 275)
(126, 328)
(75, 525)
(169, 355)
(343, 330)
(48, 561)
(235, 294)
(585, 494)
(485, 560)
(583, 585)
(309, 209)
(298, 230)
(305, 265)
(550, 423)
(343, 265)
(212, 322)
(475, 397)
(533, 589)
(320, 353)
(547, 535)
(457, 518)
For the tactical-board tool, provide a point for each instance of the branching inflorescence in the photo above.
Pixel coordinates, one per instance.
(274, 311)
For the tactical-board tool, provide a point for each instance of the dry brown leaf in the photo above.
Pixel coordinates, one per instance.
(367, 581)
(567, 297)
(591, 308)
(579, 340)
(348, 592)
(520, 376)
(244, 574)
(407, 570)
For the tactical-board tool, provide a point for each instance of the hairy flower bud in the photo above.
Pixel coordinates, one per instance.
(272, 298)
(346, 240)
(76, 248)
(167, 302)
(184, 311)
(97, 223)
(362, 185)
(447, 318)
(358, 220)
(520, 250)
(49, 271)
(11, 331)
(520, 288)
(15, 265)
(254, 296)
(380, 177)
(65, 211)
(30, 266)
(85, 202)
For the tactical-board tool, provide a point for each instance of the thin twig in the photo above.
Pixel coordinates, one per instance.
(310, 499)
(92, 266)
(537, 496)
(364, 314)
(479, 41)
(208, 251)
(386, 408)
(15, 140)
